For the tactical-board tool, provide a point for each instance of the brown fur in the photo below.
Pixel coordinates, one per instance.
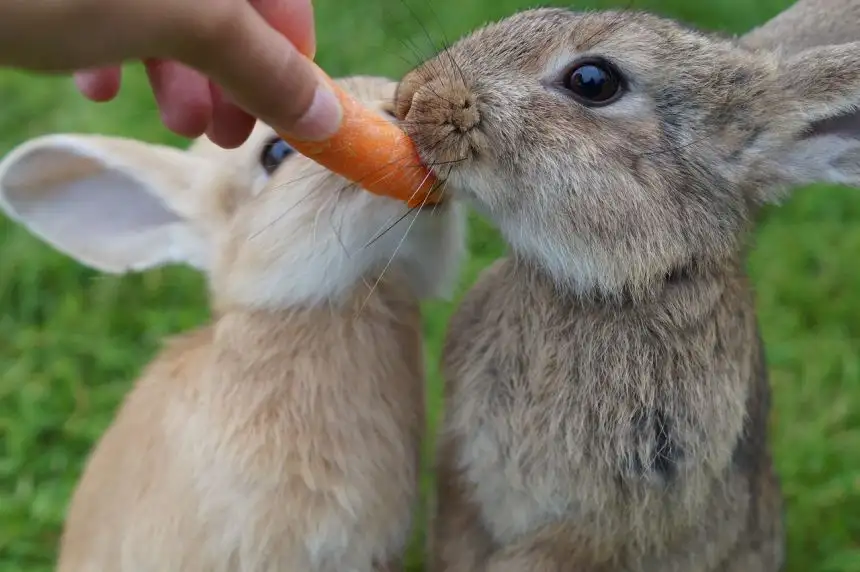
(606, 391)
(639, 409)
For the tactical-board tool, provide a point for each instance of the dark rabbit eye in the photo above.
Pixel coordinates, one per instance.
(274, 153)
(593, 83)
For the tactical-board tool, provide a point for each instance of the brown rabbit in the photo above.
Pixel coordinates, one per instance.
(285, 435)
(606, 392)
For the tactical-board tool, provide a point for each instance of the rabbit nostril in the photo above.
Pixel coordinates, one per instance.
(465, 116)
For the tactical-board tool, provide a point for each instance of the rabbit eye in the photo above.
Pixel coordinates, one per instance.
(274, 153)
(593, 82)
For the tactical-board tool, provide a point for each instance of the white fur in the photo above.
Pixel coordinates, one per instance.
(572, 262)
(325, 243)
(119, 205)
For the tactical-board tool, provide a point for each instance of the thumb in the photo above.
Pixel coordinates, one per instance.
(267, 76)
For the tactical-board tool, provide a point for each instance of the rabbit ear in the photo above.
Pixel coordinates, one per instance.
(113, 204)
(826, 84)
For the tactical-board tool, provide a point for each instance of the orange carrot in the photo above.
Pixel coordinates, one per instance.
(373, 153)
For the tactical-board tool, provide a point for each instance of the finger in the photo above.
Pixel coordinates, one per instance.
(230, 126)
(182, 95)
(292, 18)
(99, 84)
(265, 74)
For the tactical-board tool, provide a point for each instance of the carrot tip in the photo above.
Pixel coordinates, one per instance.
(373, 153)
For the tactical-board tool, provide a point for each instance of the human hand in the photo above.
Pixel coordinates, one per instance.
(214, 65)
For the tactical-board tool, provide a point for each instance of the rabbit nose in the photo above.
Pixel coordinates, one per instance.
(464, 113)
(436, 102)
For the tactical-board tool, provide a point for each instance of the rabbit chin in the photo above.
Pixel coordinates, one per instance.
(575, 262)
(322, 255)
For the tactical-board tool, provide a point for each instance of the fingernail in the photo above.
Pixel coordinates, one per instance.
(322, 119)
(310, 50)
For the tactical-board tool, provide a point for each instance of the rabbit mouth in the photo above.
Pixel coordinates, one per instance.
(451, 160)
(442, 146)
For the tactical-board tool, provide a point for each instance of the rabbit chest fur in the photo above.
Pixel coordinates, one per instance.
(623, 422)
(277, 472)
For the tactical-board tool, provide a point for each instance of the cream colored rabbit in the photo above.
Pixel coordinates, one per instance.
(606, 391)
(285, 435)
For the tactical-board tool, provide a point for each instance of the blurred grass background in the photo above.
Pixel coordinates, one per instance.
(71, 341)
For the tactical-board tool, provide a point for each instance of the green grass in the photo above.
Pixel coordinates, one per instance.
(71, 341)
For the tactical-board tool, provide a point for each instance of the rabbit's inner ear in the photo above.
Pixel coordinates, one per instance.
(824, 85)
(844, 125)
(100, 204)
(828, 153)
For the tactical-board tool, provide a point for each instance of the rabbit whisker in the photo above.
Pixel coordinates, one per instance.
(412, 47)
(299, 179)
(418, 188)
(278, 218)
(447, 46)
(332, 205)
(439, 184)
(418, 53)
(381, 234)
(407, 159)
(443, 187)
(326, 178)
(387, 229)
(353, 185)
(451, 162)
(424, 180)
(432, 190)
(316, 220)
(429, 85)
(421, 58)
(393, 254)
(409, 64)
(410, 122)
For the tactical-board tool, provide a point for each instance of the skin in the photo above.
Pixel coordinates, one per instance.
(213, 66)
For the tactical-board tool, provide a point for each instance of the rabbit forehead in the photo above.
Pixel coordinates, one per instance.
(526, 41)
(545, 41)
